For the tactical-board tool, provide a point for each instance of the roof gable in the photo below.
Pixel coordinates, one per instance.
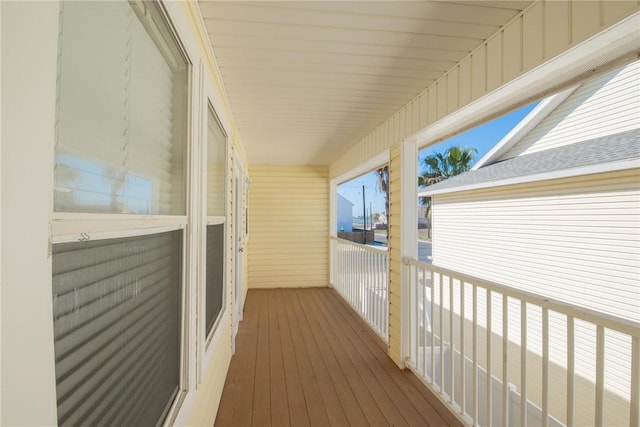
(603, 105)
(619, 151)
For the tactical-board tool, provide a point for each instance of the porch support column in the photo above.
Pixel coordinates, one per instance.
(402, 243)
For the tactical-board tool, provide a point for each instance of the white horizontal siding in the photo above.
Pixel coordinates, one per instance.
(575, 240)
(563, 238)
(602, 106)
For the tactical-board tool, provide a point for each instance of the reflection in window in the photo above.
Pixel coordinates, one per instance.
(215, 274)
(121, 111)
(117, 317)
(216, 166)
(111, 189)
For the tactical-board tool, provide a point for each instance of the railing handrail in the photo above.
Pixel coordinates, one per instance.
(619, 324)
(373, 249)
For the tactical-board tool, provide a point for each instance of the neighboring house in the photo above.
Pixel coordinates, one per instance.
(345, 214)
(554, 209)
(422, 217)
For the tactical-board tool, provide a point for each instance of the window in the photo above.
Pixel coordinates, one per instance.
(118, 280)
(116, 308)
(216, 220)
(216, 166)
(121, 106)
(215, 274)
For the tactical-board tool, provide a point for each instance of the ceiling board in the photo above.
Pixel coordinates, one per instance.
(306, 78)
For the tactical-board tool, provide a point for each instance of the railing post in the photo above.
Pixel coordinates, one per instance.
(523, 364)
(545, 367)
(599, 376)
(408, 225)
(634, 419)
(489, 361)
(571, 369)
(505, 359)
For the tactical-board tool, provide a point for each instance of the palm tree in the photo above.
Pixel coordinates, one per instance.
(383, 187)
(440, 166)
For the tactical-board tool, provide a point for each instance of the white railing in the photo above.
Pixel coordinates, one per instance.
(571, 365)
(360, 273)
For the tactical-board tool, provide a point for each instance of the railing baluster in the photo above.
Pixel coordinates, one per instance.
(523, 364)
(463, 388)
(378, 293)
(571, 369)
(545, 367)
(475, 354)
(452, 347)
(417, 311)
(350, 276)
(433, 329)
(599, 376)
(425, 319)
(360, 276)
(441, 330)
(634, 418)
(489, 367)
(505, 359)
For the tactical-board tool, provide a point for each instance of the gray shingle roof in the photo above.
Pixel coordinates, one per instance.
(611, 148)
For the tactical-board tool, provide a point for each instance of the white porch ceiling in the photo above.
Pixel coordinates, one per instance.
(305, 79)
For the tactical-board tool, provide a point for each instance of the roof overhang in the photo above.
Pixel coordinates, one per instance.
(547, 176)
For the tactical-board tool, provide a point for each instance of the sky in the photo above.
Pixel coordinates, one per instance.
(482, 138)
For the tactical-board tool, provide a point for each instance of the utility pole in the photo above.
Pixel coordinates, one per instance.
(364, 217)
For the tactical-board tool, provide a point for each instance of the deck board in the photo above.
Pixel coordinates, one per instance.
(304, 357)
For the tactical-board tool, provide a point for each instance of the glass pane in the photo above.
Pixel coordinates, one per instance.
(216, 166)
(215, 274)
(117, 308)
(122, 110)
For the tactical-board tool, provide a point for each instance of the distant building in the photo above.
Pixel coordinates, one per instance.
(345, 214)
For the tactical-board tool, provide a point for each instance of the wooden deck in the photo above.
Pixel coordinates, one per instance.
(304, 357)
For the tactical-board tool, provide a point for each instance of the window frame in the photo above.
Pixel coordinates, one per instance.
(75, 226)
(208, 343)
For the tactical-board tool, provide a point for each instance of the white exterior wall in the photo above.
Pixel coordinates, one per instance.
(575, 240)
(27, 376)
(345, 214)
(563, 238)
(606, 105)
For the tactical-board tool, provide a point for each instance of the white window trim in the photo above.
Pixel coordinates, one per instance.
(113, 234)
(71, 226)
(208, 343)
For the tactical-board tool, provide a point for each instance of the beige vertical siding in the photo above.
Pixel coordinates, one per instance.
(601, 106)
(539, 33)
(395, 257)
(288, 227)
